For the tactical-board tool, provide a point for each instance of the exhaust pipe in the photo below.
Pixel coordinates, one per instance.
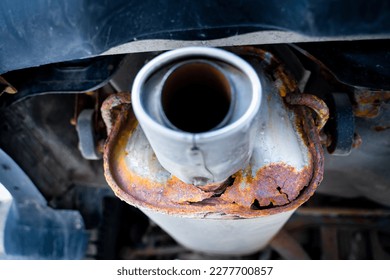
(198, 108)
(218, 160)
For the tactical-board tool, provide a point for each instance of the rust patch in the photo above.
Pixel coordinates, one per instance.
(273, 185)
(175, 197)
(109, 108)
(284, 82)
(274, 189)
(368, 102)
(314, 103)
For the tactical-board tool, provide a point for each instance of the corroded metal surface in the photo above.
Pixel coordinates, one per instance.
(175, 197)
(314, 103)
(273, 185)
(262, 188)
(368, 102)
(283, 79)
(108, 113)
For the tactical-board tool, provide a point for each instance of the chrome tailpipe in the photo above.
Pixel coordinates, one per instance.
(198, 108)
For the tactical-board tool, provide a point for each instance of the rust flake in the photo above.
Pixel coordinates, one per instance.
(277, 188)
(314, 103)
(368, 103)
(110, 108)
(284, 81)
(273, 185)
(279, 184)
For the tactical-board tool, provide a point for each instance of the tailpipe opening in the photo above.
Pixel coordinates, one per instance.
(196, 97)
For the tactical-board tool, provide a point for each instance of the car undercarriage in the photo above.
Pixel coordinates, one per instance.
(195, 130)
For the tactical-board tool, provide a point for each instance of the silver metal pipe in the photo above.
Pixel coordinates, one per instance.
(198, 108)
(221, 236)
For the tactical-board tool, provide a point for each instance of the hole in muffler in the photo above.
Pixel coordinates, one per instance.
(196, 97)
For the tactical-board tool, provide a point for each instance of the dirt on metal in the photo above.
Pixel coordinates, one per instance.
(368, 103)
(314, 103)
(272, 65)
(274, 188)
(282, 186)
(109, 114)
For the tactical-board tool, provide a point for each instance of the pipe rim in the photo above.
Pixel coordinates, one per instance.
(203, 53)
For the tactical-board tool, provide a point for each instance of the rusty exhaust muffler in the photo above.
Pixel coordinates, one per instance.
(219, 161)
(197, 107)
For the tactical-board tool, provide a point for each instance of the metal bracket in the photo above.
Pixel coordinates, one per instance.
(341, 124)
(86, 133)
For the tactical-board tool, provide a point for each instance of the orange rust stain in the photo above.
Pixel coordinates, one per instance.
(288, 85)
(110, 110)
(163, 194)
(274, 66)
(179, 192)
(170, 192)
(314, 103)
(368, 102)
(178, 198)
(370, 112)
(369, 97)
(282, 91)
(278, 184)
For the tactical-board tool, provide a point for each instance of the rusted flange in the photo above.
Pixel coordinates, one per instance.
(275, 188)
(175, 197)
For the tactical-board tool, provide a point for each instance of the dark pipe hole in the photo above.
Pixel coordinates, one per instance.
(196, 97)
(256, 205)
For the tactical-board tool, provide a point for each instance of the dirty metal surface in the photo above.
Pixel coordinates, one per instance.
(270, 189)
(108, 111)
(369, 102)
(174, 196)
(93, 27)
(314, 103)
(271, 64)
